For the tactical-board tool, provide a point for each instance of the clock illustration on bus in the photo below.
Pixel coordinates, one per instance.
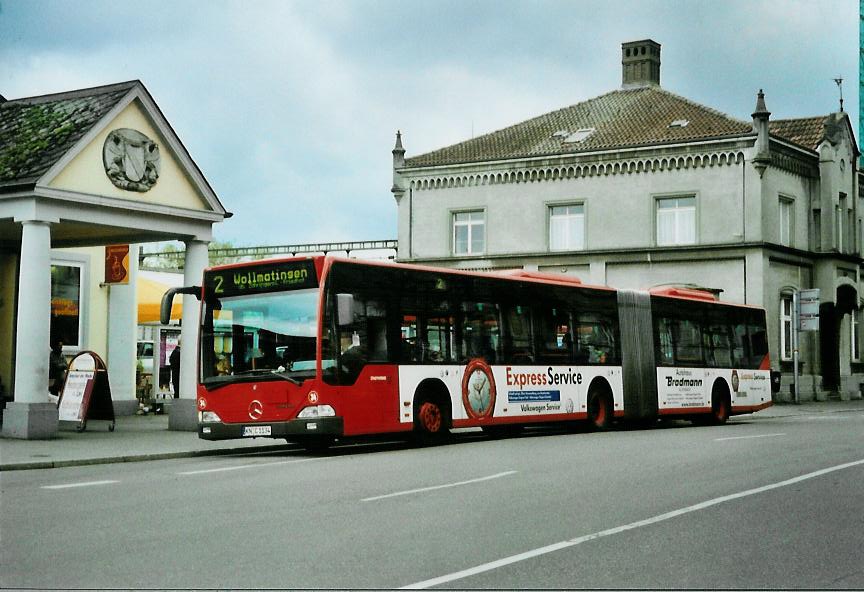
(478, 390)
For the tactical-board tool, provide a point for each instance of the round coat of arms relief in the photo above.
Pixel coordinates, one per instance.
(131, 160)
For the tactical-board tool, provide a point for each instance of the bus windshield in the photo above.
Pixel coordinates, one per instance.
(260, 336)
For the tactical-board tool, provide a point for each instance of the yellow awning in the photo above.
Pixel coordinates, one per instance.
(149, 294)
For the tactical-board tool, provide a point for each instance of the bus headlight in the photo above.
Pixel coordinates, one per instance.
(317, 411)
(208, 417)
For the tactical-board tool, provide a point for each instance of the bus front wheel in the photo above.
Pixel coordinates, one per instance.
(430, 421)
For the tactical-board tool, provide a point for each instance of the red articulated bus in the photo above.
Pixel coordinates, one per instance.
(313, 349)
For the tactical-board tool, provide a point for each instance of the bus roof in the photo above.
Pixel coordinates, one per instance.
(324, 262)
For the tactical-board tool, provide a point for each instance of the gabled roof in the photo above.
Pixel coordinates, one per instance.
(35, 132)
(807, 132)
(627, 118)
(624, 118)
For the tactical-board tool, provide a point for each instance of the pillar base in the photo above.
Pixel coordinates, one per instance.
(30, 421)
(125, 407)
(183, 415)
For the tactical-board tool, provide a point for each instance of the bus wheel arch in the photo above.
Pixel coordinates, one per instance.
(433, 416)
(601, 406)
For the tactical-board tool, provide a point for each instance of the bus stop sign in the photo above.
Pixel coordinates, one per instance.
(808, 310)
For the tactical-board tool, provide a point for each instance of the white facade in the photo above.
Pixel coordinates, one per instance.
(756, 214)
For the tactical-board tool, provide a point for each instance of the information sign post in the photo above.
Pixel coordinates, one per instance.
(805, 304)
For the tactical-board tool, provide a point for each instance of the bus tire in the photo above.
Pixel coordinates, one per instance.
(720, 407)
(600, 411)
(720, 404)
(431, 418)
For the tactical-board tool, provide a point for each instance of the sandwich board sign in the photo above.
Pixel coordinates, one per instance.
(86, 392)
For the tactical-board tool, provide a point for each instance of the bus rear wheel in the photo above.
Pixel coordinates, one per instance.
(719, 408)
(599, 410)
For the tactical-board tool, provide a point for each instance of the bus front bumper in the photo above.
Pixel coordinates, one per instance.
(290, 430)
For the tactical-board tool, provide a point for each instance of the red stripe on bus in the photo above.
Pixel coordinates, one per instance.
(684, 411)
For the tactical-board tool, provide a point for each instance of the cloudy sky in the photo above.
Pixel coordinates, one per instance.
(290, 108)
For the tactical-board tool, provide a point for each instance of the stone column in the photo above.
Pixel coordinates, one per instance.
(184, 412)
(32, 416)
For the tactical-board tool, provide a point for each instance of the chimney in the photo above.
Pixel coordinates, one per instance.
(640, 64)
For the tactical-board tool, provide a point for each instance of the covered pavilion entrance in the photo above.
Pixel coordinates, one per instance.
(79, 171)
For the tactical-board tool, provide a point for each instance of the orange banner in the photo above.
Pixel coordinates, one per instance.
(117, 264)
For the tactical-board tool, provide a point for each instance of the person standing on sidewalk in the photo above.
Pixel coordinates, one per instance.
(174, 362)
(56, 368)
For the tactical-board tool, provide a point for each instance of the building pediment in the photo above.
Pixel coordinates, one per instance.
(102, 164)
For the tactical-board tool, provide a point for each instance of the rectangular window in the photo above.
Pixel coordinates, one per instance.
(676, 221)
(66, 282)
(838, 228)
(786, 221)
(786, 327)
(567, 227)
(469, 233)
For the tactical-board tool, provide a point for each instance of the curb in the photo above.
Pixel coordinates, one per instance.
(57, 464)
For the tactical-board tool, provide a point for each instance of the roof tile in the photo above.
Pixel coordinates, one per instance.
(622, 119)
(35, 132)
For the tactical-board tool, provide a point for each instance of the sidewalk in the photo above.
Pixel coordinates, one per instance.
(147, 437)
(135, 438)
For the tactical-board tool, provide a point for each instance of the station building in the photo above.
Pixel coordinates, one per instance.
(84, 176)
(641, 187)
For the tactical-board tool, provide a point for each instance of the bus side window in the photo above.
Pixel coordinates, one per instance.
(758, 344)
(412, 350)
(664, 348)
(717, 346)
(595, 339)
(480, 332)
(555, 336)
(364, 339)
(740, 346)
(518, 338)
(688, 342)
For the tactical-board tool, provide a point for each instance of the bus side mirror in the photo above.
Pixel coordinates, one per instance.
(344, 309)
(168, 301)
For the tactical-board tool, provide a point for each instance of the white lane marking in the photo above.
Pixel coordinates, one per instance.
(748, 437)
(619, 529)
(434, 487)
(86, 484)
(254, 466)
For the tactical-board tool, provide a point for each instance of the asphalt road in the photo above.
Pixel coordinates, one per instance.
(775, 502)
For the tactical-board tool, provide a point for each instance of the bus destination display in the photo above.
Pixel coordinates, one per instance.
(272, 277)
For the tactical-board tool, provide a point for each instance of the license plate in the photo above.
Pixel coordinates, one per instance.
(256, 431)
